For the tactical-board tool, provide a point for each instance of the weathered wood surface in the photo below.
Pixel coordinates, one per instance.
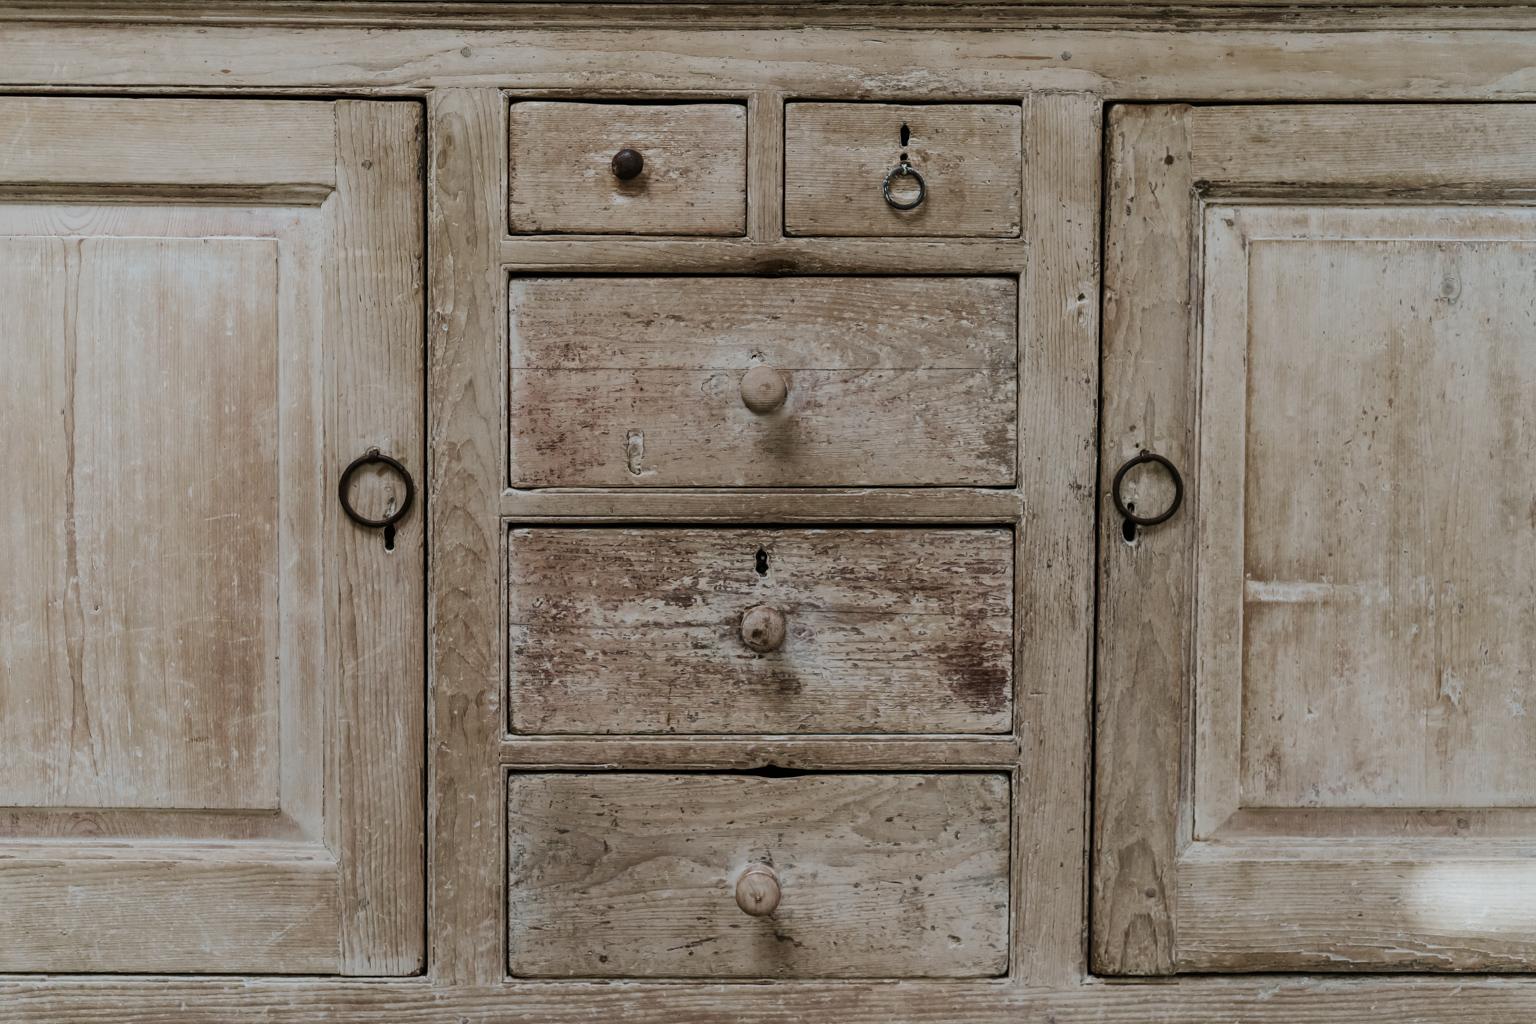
(693, 182)
(467, 470)
(837, 155)
(175, 613)
(1370, 63)
(1054, 578)
(122, 143)
(1357, 575)
(1143, 585)
(882, 875)
(637, 381)
(641, 630)
(378, 621)
(1265, 1000)
(854, 751)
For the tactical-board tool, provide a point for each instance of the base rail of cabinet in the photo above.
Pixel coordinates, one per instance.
(1198, 1000)
(735, 753)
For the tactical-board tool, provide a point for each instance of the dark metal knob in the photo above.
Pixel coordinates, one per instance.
(627, 164)
(1119, 500)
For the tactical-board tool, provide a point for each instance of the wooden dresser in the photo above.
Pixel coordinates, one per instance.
(862, 512)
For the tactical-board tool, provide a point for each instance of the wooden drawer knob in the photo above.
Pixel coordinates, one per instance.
(762, 628)
(763, 389)
(627, 164)
(757, 890)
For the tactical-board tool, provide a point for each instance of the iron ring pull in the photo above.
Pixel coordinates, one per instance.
(904, 170)
(374, 457)
(1173, 474)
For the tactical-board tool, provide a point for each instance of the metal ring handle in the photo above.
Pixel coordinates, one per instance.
(904, 170)
(373, 457)
(1173, 474)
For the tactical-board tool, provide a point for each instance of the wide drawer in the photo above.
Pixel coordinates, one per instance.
(618, 168)
(685, 630)
(842, 876)
(773, 382)
(850, 167)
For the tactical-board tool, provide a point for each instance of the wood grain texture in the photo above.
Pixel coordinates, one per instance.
(53, 142)
(637, 382)
(1058, 406)
(129, 682)
(1143, 585)
(467, 471)
(837, 155)
(1361, 145)
(641, 631)
(693, 181)
(261, 910)
(882, 875)
(865, 506)
(774, 256)
(1369, 63)
(1354, 693)
(848, 751)
(1264, 1000)
(376, 349)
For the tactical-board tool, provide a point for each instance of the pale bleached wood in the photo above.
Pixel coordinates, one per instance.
(1363, 906)
(1372, 146)
(1058, 405)
(637, 382)
(1143, 585)
(1370, 63)
(467, 471)
(882, 875)
(165, 142)
(729, 752)
(264, 910)
(774, 256)
(129, 682)
(641, 631)
(693, 180)
(766, 505)
(375, 349)
(837, 155)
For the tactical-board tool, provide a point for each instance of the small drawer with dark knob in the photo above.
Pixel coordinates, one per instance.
(932, 169)
(763, 382)
(834, 875)
(623, 168)
(655, 630)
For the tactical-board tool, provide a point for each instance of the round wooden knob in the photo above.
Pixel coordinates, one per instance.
(763, 389)
(627, 164)
(757, 890)
(762, 628)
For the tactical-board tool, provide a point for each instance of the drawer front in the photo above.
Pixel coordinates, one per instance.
(685, 172)
(837, 157)
(736, 381)
(866, 875)
(681, 630)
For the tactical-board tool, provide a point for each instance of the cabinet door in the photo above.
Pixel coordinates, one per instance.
(211, 681)
(1316, 716)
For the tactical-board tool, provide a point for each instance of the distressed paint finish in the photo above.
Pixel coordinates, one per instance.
(837, 155)
(641, 630)
(637, 382)
(887, 875)
(693, 181)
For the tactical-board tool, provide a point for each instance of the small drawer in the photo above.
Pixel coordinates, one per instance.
(763, 382)
(612, 168)
(848, 166)
(683, 630)
(738, 876)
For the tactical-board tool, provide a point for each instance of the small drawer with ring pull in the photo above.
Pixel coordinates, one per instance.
(885, 169)
(627, 168)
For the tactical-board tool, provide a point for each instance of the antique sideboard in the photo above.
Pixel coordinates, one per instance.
(523, 513)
